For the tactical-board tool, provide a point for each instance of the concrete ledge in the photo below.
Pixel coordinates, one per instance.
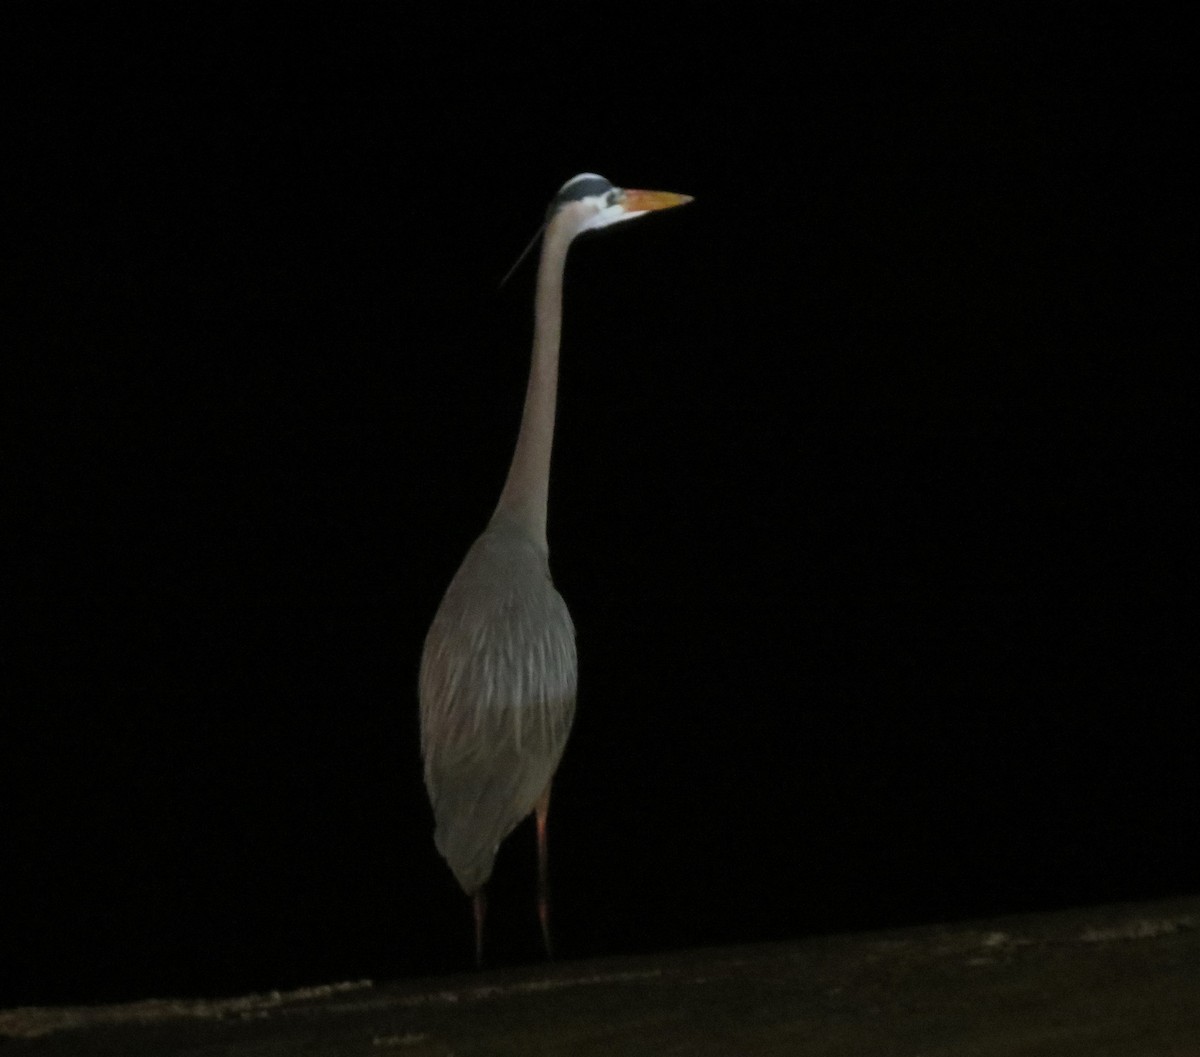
(1097, 982)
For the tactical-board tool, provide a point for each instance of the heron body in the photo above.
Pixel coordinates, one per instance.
(500, 664)
(498, 672)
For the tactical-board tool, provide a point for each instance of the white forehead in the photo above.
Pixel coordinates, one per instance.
(585, 185)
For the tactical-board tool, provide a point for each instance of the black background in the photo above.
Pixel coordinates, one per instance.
(871, 495)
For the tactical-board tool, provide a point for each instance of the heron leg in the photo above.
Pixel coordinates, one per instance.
(479, 905)
(543, 809)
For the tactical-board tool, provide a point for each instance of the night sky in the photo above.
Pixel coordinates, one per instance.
(872, 495)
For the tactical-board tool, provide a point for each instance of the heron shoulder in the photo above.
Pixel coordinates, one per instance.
(502, 637)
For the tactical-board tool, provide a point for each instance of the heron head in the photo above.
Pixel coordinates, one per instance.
(590, 202)
(587, 202)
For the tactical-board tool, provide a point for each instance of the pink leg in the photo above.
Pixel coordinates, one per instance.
(479, 904)
(543, 809)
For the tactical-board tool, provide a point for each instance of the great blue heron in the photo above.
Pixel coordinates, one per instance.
(498, 671)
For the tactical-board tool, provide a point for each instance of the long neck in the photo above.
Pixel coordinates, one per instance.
(523, 499)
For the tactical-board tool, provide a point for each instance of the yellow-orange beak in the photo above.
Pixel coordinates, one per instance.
(643, 201)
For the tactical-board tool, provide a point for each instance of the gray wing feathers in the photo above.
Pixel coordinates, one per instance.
(497, 691)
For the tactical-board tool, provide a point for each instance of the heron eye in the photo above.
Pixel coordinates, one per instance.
(613, 197)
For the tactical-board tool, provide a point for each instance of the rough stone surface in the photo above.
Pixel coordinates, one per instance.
(1119, 981)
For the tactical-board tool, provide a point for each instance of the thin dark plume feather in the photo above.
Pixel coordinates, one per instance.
(524, 253)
